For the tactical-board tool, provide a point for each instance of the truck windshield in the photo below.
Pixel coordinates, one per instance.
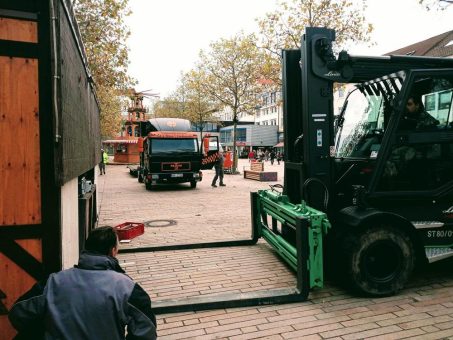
(173, 146)
(361, 126)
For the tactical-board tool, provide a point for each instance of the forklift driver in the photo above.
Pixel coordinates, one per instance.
(416, 118)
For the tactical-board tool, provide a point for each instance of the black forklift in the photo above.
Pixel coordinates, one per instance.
(380, 170)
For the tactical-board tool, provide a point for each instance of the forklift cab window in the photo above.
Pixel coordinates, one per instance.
(421, 157)
(360, 125)
(429, 105)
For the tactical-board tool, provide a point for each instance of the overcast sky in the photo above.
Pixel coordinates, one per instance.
(166, 35)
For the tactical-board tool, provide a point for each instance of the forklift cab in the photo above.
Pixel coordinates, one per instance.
(363, 125)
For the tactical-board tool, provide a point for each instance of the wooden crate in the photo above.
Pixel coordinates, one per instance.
(257, 166)
(257, 173)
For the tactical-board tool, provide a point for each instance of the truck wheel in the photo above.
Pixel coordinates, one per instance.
(193, 184)
(380, 261)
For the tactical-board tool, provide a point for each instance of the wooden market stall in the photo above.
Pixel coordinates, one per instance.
(50, 143)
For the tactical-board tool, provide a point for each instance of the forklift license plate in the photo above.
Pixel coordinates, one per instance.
(176, 175)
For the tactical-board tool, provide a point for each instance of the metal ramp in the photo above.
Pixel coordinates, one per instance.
(269, 209)
(434, 254)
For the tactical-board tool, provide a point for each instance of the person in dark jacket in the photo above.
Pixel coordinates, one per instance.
(93, 300)
(218, 171)
(272, 157)
(415, 117)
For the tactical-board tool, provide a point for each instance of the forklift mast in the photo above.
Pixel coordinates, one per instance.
(309, 122)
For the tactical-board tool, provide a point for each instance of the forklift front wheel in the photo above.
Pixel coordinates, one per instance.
(381, 261)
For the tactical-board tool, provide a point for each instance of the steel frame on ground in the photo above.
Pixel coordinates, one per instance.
(234, 300)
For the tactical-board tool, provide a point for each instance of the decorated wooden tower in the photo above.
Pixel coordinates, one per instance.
(125, 147)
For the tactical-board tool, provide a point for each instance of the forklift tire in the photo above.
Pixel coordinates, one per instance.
(380, 261)
(193, 184)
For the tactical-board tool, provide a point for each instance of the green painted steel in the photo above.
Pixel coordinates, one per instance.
(274, 207)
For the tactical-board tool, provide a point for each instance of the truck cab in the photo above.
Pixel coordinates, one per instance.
(171, 153)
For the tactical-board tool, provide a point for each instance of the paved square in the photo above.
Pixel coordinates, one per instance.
(424, 310)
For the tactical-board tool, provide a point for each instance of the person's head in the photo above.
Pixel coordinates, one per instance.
(103, 240)
(414, 104)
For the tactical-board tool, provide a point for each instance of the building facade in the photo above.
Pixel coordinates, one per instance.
(249, 137)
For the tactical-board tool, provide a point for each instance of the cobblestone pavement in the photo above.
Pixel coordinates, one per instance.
(424, 310)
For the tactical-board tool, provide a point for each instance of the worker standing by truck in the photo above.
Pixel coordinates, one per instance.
(218, 171)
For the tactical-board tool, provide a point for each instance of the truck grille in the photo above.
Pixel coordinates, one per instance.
(176, 166)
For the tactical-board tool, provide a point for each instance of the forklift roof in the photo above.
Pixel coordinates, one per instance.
(366, 68)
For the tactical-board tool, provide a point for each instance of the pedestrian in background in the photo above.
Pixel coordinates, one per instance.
(218, 171)
(104, 161)
(279, 157)
(272, 157)
(93, 300)
(251, 155)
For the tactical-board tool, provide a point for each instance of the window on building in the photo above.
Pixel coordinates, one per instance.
(241, 135)
(225, 137)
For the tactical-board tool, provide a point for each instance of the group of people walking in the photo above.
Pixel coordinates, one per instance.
(264, 156)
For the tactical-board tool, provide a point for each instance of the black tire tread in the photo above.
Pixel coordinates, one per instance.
(353, 243)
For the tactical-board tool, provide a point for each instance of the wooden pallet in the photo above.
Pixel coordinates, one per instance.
(257, 173)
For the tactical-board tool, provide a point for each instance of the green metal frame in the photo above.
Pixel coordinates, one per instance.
(273, 204)
(255, 298)
(302, 251)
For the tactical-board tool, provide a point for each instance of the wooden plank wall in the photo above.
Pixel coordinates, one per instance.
(20, 194)
(18, 30)
(20, 197)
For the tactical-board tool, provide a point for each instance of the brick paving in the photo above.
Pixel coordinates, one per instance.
(424, 310)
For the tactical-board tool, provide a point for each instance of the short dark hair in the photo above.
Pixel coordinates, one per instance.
(417, 99)
(101, 240)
